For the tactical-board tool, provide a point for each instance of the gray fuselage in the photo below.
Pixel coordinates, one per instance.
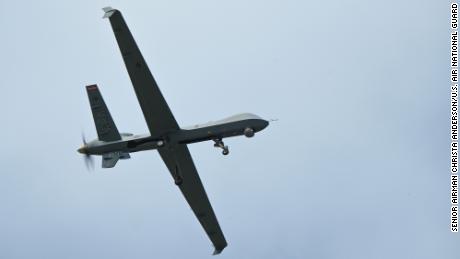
(236, 125)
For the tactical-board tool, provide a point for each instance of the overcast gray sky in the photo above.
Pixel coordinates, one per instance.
(356, 167)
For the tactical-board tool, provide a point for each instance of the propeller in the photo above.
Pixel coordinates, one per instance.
(89, 162)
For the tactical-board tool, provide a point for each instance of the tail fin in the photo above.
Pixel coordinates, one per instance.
(109, 160)
(106, 129)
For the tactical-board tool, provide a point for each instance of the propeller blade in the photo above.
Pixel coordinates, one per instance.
(83, 138)
(89, 162)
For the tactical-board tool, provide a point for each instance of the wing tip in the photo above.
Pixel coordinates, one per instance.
(218, 250)
(108, 11)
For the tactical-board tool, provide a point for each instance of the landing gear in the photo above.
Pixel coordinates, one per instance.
(177, 177)
(220, 144)
(178, 181)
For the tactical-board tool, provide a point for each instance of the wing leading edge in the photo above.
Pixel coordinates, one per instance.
(160, 121)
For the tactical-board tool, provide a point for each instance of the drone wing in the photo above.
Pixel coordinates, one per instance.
(157, 114)
(180, 164)
(160, 121)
